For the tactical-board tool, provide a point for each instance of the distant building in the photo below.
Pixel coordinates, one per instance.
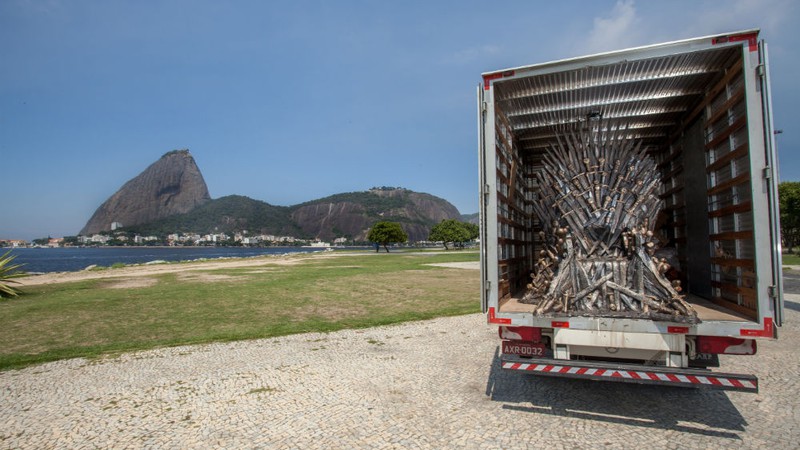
(318, 244)
(13, 243)
(251, 240)
(214, 238)
(99, 239)
(55, 242)
(143, 239)
(115, 225)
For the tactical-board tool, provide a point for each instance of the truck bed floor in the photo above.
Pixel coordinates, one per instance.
(707, 311)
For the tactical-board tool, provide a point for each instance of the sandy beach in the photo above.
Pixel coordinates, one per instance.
(144, 270)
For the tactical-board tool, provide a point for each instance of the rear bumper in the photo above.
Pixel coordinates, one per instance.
(631, 373)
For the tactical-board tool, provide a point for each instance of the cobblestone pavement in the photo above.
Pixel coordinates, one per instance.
(432, 384)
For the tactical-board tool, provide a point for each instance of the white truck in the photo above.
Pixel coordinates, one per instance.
(701, 108)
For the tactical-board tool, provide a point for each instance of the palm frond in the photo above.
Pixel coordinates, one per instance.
(9, 271)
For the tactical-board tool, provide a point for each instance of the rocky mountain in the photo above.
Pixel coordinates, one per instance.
(471, 218)
(170, 196)
(172, 185)
(342, 215)
(352, 214)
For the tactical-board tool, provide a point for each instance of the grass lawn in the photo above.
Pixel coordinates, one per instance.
(791, 260)
(98, 317)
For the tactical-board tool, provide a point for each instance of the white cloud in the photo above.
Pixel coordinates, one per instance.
(767, 15)
(630, 24)
(615, 31)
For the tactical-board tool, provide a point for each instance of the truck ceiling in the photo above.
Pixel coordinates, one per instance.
(646, 91)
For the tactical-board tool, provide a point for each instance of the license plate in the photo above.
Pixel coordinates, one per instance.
(523, 348)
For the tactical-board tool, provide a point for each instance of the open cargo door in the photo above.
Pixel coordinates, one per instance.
(732, 173)
(741, 188)
(772, 180)
(483, 200)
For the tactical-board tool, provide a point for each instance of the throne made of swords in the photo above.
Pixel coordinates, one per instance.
(597, 203)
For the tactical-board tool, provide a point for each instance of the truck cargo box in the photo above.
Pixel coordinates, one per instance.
(700, 108)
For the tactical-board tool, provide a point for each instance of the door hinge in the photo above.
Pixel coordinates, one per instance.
(772, 291)
(483, 106)
(761, 70)
(767, 173)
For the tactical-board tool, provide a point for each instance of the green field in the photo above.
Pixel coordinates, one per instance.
(107, 316)
(791, 260)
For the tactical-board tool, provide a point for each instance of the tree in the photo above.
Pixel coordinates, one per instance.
(71, 240)
(452, 230)
(473, 229)
(385, 233)
(789, 199)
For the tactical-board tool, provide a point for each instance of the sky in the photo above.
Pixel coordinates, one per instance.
(287, 102)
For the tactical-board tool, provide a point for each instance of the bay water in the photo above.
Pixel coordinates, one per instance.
(69, 259)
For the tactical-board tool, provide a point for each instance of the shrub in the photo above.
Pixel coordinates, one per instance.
(8, 271)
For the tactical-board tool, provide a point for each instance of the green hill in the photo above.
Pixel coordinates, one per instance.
(347, 215)
(229, 214)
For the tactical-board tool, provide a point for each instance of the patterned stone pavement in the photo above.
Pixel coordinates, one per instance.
(431, 384)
